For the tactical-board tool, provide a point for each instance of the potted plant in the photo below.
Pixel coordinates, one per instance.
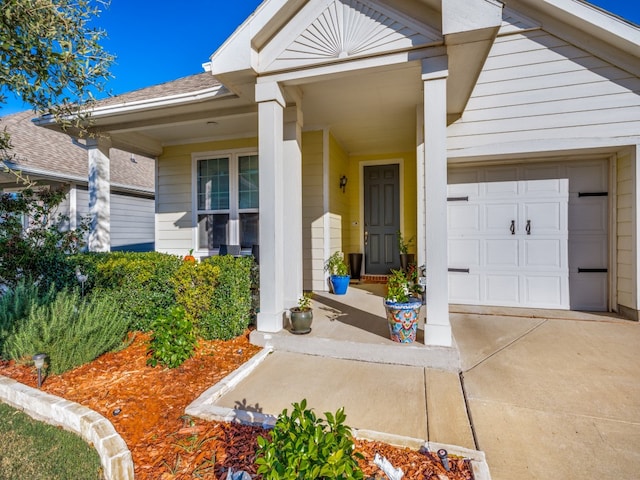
(403, 247)
(302, 315)
(338, 273)
(403, 306)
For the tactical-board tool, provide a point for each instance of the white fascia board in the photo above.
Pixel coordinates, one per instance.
(599, 22)
(219, 91)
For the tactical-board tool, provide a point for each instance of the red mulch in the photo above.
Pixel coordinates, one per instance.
(166, 444)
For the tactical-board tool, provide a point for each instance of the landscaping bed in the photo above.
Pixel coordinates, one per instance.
(146, 406)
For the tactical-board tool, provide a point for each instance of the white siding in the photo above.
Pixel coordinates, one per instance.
(132, 223)
(535, 86)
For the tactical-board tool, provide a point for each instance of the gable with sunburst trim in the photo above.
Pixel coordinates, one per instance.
(324, 32)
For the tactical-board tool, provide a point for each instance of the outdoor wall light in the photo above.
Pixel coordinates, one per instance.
(343, 182)
(38, 360)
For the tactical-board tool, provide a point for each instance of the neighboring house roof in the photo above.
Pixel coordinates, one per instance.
(189, 84)
(41, 152)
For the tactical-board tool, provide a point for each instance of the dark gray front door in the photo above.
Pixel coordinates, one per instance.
(381, 218)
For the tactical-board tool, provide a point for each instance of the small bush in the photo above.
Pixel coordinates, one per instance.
(173, 340)
(70, 330)
(304, 447)
(16, 304)
(139, 282)
(230, 311)
(194, 285)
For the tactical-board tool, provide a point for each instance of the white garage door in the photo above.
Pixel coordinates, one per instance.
(529, 236)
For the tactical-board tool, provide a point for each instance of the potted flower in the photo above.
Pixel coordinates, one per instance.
(403, 306)
(403, 247)
(302, 315)
(338, 273)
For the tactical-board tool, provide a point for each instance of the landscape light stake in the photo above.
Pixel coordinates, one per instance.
(442, 454)
(38, 359)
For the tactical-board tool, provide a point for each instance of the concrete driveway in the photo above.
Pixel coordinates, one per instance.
(553, 398)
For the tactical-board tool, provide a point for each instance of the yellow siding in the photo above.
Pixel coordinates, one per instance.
(625, 233)
(312, 211)
(175, 229)
(338, 205)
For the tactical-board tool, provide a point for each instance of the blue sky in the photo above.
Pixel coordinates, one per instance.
(159, 41)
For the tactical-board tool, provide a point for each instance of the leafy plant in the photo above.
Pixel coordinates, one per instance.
(231, 304)
(195, 285)
(173, 340)
(139, 282)
(403, 246)
(402, 286)
(304, 447)
(17, 302)
(40, 251)
(304, 302)
(70, 330)
(335, 265)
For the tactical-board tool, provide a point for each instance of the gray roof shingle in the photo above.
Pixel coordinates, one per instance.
(42, 149)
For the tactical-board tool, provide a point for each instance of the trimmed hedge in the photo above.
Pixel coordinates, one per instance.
(139, 282)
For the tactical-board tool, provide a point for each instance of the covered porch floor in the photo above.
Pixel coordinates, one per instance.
(354, 327)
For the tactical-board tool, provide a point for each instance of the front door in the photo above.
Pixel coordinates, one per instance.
(381, 218)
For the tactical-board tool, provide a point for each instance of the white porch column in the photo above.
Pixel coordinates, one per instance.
(271, 149)
(292, 181)
(434, 77)
(99, 194)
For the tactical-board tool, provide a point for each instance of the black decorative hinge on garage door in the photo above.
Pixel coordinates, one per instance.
(459, 270)
(593, 270)
(457, 199)
(593, 194)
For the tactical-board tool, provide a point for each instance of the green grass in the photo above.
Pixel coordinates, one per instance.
(38, 451)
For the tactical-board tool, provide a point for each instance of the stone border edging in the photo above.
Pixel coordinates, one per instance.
(93, 428)
(203, 407)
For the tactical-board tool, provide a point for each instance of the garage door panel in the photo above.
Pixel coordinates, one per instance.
(588, 177)
(501, 289)
(544, 254)
(468, 178)
(588, 252)
(544, 218)
(498, 217)
(463, 217)
(533, 188)
(464, 253)
(502, 253)
(589, 215)
(500, 174)
(589, 291)
(544, 291)
(500, 189)
(464, 288)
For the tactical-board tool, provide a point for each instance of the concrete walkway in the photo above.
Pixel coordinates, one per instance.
(553, 398)
(545, 394)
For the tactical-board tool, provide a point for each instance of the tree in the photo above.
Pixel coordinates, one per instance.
(51, 57)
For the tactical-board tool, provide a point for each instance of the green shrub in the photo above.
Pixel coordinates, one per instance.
(70, 330)
(139, 282)
(230, 311)
(194, 285)
(39, 252)
(173, 340)
(304, 447)
(17, 302)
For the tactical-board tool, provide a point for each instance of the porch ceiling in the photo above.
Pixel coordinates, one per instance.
(368, 113)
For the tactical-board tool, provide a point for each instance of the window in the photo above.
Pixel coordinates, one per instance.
(227, 200)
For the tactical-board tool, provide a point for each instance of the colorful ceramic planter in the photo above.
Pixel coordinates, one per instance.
(403, 320)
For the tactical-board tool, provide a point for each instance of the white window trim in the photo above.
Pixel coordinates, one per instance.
(234, 210)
